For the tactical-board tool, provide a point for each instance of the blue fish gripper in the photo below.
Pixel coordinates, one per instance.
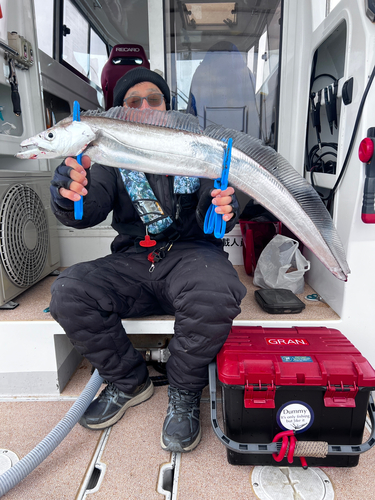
(214, 222)
(78, 205)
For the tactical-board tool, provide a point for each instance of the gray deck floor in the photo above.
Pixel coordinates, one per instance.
(132, 452)
(133, 456)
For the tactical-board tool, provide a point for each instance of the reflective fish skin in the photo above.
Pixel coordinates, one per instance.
(172, 143)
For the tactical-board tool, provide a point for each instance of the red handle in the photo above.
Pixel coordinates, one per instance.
(284, 435)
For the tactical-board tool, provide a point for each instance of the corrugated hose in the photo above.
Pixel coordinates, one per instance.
(27, 464)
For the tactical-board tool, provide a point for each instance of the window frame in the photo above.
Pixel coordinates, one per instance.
(59, 35)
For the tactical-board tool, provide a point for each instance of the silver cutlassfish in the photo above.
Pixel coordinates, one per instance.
(173, 143)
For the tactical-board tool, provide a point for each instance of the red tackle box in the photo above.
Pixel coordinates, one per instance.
(255, 236)
(311, 381)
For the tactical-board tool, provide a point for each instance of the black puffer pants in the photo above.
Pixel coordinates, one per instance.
(195, 282)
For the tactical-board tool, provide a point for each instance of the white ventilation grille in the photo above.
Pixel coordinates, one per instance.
(23, 235)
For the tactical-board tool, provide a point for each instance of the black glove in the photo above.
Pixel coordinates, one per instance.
(204, 204)
(236, 211)
(62, 179)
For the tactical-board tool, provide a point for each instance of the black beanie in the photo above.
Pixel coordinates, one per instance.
(139, 75)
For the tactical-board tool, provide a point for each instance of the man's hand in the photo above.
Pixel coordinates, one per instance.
(223, 200)
(78, 181)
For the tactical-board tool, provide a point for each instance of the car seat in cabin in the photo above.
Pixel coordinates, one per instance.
(122, 59)
(223, 91)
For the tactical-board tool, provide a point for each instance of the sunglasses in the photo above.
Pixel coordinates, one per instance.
(135, 101)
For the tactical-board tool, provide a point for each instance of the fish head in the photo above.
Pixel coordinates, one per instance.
(64, 139)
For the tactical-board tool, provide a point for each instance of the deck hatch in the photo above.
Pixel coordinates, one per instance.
(286, 483)
(7, 460)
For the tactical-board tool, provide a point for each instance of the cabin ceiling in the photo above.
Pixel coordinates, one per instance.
(251, 18)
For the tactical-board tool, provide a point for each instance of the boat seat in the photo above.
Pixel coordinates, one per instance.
(230, 117)
(222, 91)
(122, 59)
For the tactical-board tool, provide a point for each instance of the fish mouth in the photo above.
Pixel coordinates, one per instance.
(31, 151)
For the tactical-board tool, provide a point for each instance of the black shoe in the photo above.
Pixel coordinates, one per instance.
(182, 429)
(111, 404)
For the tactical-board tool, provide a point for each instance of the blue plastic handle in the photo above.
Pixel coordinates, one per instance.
(214, 222)
(78, 205)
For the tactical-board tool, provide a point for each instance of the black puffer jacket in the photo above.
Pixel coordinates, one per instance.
(196, 283)
(106, 192)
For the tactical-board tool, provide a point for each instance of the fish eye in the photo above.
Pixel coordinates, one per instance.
(50, 136)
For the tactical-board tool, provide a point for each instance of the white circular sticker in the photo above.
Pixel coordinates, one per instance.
(296, 416)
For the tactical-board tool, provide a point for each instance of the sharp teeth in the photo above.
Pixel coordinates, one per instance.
(30, 147)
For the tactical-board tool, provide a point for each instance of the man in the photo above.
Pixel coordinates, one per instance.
(189, 276)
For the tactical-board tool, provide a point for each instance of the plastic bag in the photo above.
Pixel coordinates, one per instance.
(281, 265)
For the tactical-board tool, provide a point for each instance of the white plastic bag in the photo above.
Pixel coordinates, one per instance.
(281, 265)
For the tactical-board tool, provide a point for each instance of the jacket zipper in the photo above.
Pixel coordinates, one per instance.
(176, 207)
